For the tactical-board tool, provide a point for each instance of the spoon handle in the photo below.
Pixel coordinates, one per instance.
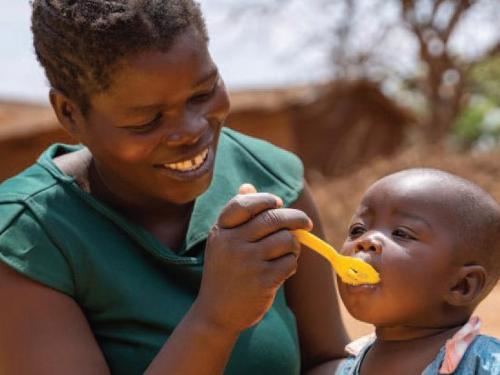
(317, 244)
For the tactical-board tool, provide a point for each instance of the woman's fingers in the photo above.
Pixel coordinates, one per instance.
(244, 207)
(274, 220)
(281, 269)
(250, 252)
(277, 245)
(247, 188)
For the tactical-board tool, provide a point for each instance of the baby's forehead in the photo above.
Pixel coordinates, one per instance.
(411, 187)
(423, 194)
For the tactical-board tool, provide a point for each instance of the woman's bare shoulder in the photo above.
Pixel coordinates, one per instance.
(43, 331)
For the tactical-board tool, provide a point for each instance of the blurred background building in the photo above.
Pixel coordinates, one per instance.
(357, 88)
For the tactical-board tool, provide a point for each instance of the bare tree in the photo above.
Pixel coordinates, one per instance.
(443, 84)
(411, 42)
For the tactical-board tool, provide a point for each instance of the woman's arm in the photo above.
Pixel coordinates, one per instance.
(43, 332)
(311, 294)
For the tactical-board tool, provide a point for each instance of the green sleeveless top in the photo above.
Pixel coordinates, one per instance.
(132, 289)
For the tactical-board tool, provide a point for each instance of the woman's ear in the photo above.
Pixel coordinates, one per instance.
(67, 112)
(468, 286)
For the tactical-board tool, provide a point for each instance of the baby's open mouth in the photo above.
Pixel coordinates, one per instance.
(189, 165)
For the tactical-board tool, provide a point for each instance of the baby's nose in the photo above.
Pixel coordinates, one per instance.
(369, 243)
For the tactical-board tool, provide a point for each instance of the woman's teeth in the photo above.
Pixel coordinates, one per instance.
(189, 165)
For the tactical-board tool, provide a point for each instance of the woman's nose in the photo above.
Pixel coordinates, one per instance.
(369, 243)
(187, 132)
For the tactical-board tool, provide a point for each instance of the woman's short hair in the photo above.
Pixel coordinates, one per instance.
(79, 42)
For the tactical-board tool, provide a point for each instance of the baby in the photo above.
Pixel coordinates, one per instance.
(435, 240)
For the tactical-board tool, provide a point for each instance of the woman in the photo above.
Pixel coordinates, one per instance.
(103, 245)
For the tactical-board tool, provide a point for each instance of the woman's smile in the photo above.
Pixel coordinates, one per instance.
(190, 164)
(191, 167)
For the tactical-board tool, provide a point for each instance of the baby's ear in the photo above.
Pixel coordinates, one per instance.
(467, 287)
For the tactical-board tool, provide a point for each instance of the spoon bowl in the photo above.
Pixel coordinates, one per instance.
(350, 270)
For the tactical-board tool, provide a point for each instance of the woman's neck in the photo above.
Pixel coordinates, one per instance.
(144, 211)
(168, 222)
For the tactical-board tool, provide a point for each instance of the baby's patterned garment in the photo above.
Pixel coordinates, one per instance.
(466, 353)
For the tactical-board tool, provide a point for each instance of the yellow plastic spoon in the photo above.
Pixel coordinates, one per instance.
(351, 270)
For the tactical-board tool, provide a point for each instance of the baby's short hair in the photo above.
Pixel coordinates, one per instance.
(477, 215)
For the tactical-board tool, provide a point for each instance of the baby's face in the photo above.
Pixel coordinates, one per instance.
(405, 230)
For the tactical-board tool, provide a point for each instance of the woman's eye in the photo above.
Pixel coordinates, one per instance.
(203, 96)
(144, 128)
(356, 231)
(404, 234)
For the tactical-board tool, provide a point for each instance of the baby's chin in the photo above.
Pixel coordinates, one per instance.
(361, 303)
(365, 316)
(383, 315)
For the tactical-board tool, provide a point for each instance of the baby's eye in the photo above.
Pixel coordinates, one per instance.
(356, 230)
(403, 233)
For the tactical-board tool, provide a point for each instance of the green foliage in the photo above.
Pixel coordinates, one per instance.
(485, 79)
(480, 119)
(468, 125)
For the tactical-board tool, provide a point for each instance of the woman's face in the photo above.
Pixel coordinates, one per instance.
(153, 134)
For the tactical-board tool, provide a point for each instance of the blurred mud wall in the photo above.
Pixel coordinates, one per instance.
(332, 127)
(25, 131)
(349, 124)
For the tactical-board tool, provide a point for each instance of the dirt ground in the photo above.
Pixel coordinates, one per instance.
(337, 198)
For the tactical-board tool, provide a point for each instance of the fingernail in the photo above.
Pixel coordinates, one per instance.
(247, 188)
(279, 202)
(311, 225)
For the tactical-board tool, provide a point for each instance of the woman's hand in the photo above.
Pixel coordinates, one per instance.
(249, 254)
